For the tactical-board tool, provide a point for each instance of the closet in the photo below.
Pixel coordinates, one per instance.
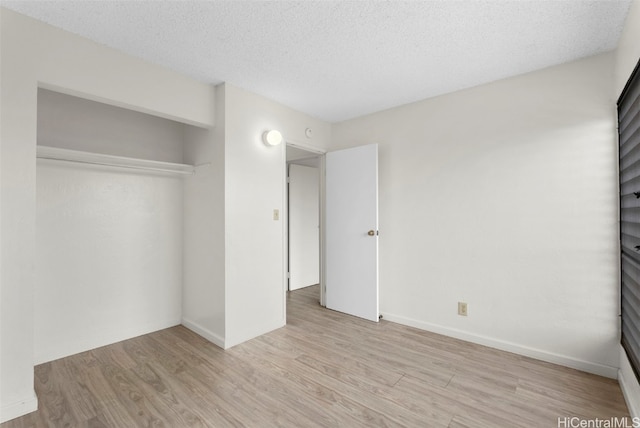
(109, 224)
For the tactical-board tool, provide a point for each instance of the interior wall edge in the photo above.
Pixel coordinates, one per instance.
(204, 332)
(538, 354)
(241, 338)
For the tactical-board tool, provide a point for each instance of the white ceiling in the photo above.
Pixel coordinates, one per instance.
(336, 60)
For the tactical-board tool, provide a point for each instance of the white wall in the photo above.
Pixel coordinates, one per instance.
(17, 218)
(627, 56)
(35, 54)
(74, 123)
(108, 257)
(234, 259)
(108, 240)
(203, 294)
(254, 187)
(504, 196)
(304, 225)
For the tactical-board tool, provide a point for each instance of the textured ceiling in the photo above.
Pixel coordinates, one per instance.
(340, 59)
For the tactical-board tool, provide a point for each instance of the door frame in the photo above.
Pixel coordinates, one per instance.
(285, 268)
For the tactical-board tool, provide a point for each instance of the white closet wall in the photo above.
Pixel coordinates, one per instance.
(74, 123)
(108, 240)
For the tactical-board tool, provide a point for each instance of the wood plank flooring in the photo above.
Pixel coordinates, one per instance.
(324, 369)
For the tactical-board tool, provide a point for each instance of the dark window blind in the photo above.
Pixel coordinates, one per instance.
(629, 153)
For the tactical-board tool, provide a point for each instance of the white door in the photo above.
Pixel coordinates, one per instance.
(304, 222)
(352, 231)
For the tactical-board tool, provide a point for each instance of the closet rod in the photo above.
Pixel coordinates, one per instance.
(74, 156)
(117, 165)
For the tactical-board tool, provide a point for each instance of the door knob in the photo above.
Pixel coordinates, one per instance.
(371, 233)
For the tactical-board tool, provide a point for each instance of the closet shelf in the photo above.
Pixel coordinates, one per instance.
(77, 156)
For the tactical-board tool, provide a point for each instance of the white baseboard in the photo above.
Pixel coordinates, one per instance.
(98, 338)
(563, 360)
(629, 385)
(206, 333)
(19, 408)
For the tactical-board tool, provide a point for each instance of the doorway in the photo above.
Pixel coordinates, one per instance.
(348, 227)
(304, 260)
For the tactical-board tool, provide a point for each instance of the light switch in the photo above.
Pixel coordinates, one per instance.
(276, 214)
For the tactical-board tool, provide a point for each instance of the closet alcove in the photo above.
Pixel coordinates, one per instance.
(109, 223)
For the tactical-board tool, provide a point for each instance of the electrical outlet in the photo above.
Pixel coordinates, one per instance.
(462, 309)
(276, 214)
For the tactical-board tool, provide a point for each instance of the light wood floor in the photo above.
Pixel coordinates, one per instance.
(323, 369)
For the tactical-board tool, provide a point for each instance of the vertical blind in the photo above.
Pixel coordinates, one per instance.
(629, 158)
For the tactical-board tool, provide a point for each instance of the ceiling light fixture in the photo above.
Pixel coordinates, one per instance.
(272, 138)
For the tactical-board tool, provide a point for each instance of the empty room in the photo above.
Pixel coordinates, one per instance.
(320, 213)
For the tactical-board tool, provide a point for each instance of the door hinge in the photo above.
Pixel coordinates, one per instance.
(288, 275)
